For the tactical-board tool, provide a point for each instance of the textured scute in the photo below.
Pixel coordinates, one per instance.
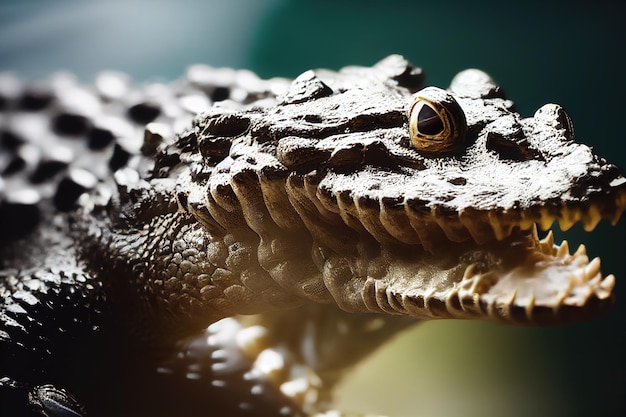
(131, 218)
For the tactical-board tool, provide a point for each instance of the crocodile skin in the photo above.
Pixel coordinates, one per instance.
(129, 226)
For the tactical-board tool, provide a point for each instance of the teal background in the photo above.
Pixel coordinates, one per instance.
(571, 53)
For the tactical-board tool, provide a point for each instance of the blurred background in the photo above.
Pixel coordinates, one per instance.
(571, 53)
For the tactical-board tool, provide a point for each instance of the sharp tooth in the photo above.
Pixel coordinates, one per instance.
(568, 217)
(581, 251)
(534, 232)
(530, 306)
(510, 301)
(592, 269)
(546, 220)
(620, 200)
(500, 229)
(565, 224)
(547, 243)
(591, 218)
(594, 281)
(563, 249)
(560, 299)
(620, 206)
(616, 216)
(608, 283)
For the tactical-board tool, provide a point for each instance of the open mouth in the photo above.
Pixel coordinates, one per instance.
(516, 278)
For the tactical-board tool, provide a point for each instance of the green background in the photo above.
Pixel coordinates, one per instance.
(571, 53)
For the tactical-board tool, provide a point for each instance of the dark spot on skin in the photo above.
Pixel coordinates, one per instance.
(220, 94)
(99, 138)
(35, 100)
(313, 118)
(10, 140)
(70, 124)
(144, 113)
(458, 181)
(119, 158)
(46, 170)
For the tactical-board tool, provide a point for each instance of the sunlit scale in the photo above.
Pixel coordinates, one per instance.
(346, 193)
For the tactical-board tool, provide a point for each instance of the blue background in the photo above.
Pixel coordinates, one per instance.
(571, 53)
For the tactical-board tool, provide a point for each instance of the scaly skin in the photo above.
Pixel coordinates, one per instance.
(340, 192)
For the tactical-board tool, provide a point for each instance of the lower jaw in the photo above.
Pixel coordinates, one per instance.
(519, 280)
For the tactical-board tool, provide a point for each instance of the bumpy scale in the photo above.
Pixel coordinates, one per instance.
(342, 194)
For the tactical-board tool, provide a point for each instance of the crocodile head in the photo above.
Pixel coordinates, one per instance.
(363, 189)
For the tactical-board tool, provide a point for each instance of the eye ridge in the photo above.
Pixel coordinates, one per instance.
(437, 123)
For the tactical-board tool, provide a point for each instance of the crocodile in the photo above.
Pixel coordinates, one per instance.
(234, 245)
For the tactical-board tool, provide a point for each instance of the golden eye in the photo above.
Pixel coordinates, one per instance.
(436, 121)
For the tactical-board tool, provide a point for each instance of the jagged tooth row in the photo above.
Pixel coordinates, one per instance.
(568, 217)
(589, 215)
(414, 222)
(547, 243)
(470, 298)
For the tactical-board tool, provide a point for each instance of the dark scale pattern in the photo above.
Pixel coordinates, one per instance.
(70, 124)
(99, 138)
(19, 214)
(36, 99)
(60, 141)
(144, 113)
(118, 239)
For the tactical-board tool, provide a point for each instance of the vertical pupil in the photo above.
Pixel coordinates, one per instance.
(428, 122)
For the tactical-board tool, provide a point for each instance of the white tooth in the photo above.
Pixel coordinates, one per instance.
(510, 302)
(595, 281)
(608, 283)
(534, 232)
(568, 217)
(563, 249)
(565, 224)
(592, 269)
(546, 220)
(591, 218)
(548, 240)
(530, 306)
(500, 230)
(605, 288)
(560, 300)
(581, 251)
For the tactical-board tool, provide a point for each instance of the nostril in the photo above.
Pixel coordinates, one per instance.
(512, 150)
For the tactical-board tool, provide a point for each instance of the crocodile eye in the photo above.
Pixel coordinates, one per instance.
(436, 121)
